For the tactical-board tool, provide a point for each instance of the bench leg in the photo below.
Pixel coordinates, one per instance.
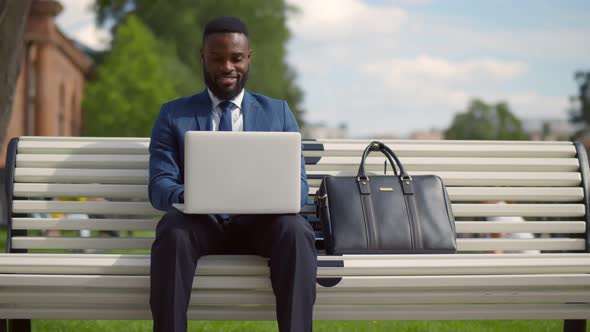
(574, 325)
(19, 325)
(3, 327)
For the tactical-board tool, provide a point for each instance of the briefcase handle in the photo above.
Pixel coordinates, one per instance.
(391, 156)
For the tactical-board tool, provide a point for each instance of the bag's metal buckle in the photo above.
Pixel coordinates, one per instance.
(358, 179)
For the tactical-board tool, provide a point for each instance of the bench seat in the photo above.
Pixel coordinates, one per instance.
(359, 287)
(543, 186)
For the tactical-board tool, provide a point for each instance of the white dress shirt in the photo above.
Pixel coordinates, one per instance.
(237, 121)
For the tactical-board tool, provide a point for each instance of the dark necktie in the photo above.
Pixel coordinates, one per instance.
(225, 123)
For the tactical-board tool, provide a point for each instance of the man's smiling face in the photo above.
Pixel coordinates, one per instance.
(226, 62)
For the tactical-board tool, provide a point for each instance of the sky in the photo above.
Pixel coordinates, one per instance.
(392, 67)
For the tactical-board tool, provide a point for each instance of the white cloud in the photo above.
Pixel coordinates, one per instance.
(429, 68)
(455, 36)
(93, 37)
(531, 104)
(78, 21)
(440, 87)
(343, 20)
(428, 81)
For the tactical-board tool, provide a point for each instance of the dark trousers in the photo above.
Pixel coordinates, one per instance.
(181, 239)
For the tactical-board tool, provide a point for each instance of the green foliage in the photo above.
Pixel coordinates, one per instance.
(135, 78)
(484, 121)
(580, 112)
(180, 23)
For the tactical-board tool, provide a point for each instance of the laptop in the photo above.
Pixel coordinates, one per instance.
(241, 172)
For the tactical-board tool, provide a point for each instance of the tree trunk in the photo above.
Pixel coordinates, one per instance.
(13, 17)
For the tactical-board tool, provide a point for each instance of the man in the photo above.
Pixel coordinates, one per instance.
(181, 239)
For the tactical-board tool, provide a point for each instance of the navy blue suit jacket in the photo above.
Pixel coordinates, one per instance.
(260, 113)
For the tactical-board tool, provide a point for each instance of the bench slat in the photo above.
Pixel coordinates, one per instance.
(566, 244)
(24, 242)
(96, 224)
(447, 149)
(97, 208)
(117, 161)
(517, 194)
(384, 265)
(145, 208)
(403, 148)
(556, 194)
(548, 226)
(65, 296)
(325, 163)
(64, 175)
(136, 243)
(128, 191)
(361, 141)
(448, 282)
(524, 210)
(305, 140)
(65, 146)
(376, 164)
(481, 179)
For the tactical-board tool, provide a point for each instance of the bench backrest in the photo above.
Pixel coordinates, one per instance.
(544, 182)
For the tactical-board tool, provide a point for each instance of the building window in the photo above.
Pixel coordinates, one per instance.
(74, 130)
(61, 112)
(31, 68)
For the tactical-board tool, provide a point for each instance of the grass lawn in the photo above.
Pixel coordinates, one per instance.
(331, 326)
(336, 326)
(2, 239)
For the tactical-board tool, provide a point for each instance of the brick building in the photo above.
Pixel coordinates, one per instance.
(48, 95)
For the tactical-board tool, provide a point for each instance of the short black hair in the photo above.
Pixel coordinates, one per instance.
(225, 24)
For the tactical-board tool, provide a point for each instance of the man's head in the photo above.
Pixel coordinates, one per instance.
(226, 56)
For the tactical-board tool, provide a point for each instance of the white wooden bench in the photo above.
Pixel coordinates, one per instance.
(546, 182)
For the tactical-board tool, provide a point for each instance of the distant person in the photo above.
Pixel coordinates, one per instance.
(181, 239)
(512, 235)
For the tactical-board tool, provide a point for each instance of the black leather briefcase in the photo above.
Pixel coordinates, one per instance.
(385, 214)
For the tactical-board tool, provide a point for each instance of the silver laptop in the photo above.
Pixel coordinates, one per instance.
(241, 172)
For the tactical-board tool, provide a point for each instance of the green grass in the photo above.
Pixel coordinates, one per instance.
(2, 239)
(321, 326)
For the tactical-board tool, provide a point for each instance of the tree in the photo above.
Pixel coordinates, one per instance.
(134, 79)
(580, 111)
(180, 23)
(13, 17)
(484, 121)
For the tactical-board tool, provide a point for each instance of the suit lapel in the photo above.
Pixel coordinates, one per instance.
(251, 111)
(202, 106)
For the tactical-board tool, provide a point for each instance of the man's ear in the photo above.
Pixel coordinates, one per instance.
(249, 55)
(202, 56)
